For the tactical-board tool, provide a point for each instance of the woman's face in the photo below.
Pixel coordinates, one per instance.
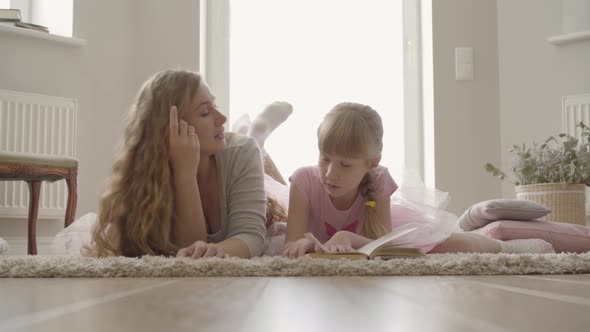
(207, 120)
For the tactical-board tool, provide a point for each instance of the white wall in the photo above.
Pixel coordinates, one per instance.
(166, 36)
(466, 113)
(124, 47)
(515, 97)
(534, 74)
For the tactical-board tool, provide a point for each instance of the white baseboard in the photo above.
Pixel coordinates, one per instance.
(17, 227)
(14, 231)
(17, 245)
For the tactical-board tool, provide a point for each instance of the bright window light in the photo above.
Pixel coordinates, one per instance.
(315, 54)
(57, 15)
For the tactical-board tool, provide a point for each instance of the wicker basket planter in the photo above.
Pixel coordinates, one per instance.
(566, 201)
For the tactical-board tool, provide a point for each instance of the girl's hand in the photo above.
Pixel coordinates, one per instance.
(298, 248)
(201, 249)
(340, 242)
(184, 146)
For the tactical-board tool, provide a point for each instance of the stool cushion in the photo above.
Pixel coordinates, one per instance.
(40, 160)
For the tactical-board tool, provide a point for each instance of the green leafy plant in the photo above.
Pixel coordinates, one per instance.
(564, 159)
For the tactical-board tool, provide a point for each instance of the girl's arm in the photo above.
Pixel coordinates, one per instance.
(297, 218)
(346, 241)
(296, 245)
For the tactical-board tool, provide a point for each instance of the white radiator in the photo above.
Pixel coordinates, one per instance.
(33, 123)
(576, 109)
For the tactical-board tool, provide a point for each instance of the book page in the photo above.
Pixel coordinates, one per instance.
(314, 239)
(387, 238)
(387, 252)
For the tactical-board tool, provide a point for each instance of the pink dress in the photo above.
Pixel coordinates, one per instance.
(324, 219)
(432, 225)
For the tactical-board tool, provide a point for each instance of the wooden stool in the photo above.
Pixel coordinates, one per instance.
(34, 169)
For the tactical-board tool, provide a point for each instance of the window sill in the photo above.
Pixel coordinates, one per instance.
(570, 38)
(69, 41)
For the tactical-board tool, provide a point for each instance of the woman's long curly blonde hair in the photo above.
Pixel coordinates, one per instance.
(355, 130)
(136, 213)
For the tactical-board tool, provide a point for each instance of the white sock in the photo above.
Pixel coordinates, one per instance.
(267, 121)
(526, 246)
(241, 125)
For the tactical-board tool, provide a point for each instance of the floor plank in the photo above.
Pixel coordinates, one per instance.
(487, 299)
(426, 303)
(25, 296)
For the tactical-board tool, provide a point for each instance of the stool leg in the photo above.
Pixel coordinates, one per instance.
(34, 189)
(72, 198)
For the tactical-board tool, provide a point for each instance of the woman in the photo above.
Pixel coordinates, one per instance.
(180, 185)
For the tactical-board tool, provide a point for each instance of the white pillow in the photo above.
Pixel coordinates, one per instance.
(3, 246)
(483, 213)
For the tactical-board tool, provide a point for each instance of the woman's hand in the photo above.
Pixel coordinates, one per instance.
(298, 248)
(201, 249)
(184, 146)
(340, 242)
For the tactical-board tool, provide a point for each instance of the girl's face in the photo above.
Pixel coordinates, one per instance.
(207, 120)
(341, 176)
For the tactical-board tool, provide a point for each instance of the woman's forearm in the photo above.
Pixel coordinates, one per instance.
(190, 225)
(235, 248)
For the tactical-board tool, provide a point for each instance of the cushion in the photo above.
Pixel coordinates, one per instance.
(483, 213)
(40, 160)
(3, 247)
(564, 237)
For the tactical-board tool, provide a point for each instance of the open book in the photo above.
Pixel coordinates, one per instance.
(386, 247)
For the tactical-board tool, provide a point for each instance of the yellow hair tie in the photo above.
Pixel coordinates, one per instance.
(372, 204)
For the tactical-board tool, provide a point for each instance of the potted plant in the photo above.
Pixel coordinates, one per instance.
(554, 174)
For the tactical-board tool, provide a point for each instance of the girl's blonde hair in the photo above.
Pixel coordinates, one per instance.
(356, 131)
(136, 213)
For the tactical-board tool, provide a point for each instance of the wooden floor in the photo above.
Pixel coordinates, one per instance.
(485, 303)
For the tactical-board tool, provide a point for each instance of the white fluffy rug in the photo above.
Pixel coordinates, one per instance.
(442, 264)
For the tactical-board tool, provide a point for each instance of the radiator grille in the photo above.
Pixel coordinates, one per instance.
(33, 123)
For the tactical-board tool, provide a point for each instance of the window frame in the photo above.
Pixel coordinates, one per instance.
(24, 6)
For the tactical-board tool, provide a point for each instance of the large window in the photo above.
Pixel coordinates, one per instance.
(315, 54)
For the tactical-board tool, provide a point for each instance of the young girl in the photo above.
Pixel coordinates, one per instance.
(345, 200)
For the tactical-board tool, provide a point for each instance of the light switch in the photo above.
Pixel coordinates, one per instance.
(464, 63)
